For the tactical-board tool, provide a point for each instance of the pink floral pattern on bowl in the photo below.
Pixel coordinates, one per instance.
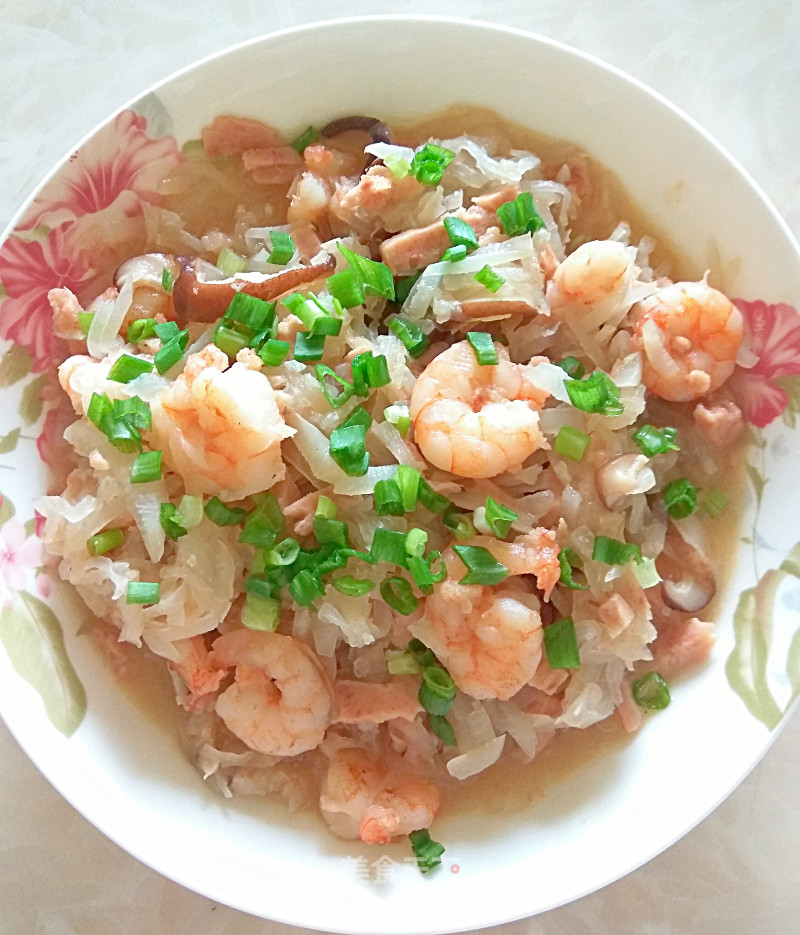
(774, 332)
(82, 224)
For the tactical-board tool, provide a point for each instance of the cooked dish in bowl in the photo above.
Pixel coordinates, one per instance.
(403, 451)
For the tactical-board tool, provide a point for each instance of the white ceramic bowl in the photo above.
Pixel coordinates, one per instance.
(614, 809)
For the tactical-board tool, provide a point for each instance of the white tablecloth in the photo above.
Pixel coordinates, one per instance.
(734, 65)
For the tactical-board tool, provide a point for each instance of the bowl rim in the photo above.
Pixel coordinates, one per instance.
(478, 26)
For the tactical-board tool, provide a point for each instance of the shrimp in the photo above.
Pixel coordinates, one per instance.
(195, 668)
(690, 334)
(489, 638)
(220, 429)
(281, 700)
(535, 553)
(593, 273)
(362, 798)
(476, 420)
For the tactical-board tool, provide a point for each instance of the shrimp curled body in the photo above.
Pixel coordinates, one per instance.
(490, 639)
(690, 334)
(281, 700)
(476, 420)
(366, 799)
(220, 429)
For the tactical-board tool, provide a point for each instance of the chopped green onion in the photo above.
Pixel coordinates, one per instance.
(483, 345)
(134, 411)
(460, 233)
(230, 263)
(401, 663)
(308, 347)
(714, 502)
(325, 507)
(141, 330)
(427, 851)
(435, 556)
(566, 578)
(345, 388)
(99, 407)
(443, 729)
(143, 592)
(489, 279)
(429, 163)
(520, 215)
(267, 515)
(261, 613)
(376, 277)
(284, 552)
(166, 331)
(359, 416)
(680, 498)
(262, 585)
(646, 573)
(651, 691)
(122, 434)
(126, 368)
(388, 546)
(434, 502)
(222, 515)
(146, 467)
(597, 393)
(306, 138)
(105, 541)
(170, 520)
(378, 371)
(653, 441)
(191, 511)
(312, 313)
(250, 311)
(572, 367)
(403, 286)
(482, 566)
(614, 552)
(330, 531)
(167, 280)
(416, 540)
(398, 416)
(499, 518)
(561, 644)
(305, 588)
(171, 352)
(387, 499)
(408, 480)
(353, 587)
(230, 342)
(420, 652)
(459, 524)
(421, 574)
(282, 248)
(410, 334)
(274, 352)
(346, 287)
(85, 320)
(437, 691)
(453, 254)
(398, 595)
(571, 443)
(347, 447)
(398, 166)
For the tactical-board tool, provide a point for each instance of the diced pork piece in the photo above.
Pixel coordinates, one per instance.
(272, 165)
(681, 645)
(411, 250)
(231, 136)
